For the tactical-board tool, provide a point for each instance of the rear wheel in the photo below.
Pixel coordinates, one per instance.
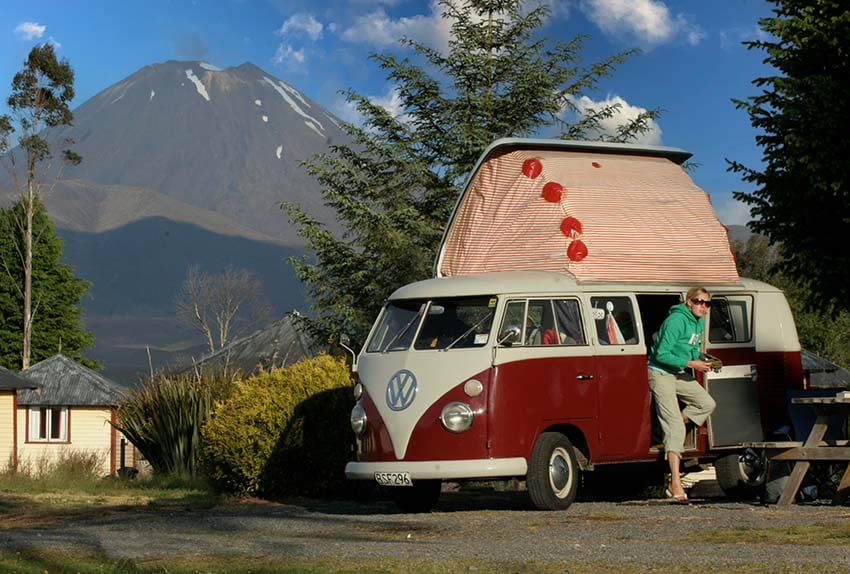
(553, 473)
(741, 475)
(419, 498)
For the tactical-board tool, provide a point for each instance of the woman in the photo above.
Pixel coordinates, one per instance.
(673, 359)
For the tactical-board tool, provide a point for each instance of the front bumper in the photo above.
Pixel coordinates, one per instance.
(443, 469)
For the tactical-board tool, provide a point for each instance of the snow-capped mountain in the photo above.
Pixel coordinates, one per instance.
(219, 148)
(184, 163)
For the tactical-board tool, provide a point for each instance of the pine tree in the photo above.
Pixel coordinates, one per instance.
(395, 186)
(56, 293)
(803, 192)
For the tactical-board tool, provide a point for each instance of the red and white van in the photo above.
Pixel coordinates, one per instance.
(503, 367)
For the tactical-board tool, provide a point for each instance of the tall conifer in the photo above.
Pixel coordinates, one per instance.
(395, 186)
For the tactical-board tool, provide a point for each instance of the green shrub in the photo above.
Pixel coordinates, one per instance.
(283, 432)
(163, 420)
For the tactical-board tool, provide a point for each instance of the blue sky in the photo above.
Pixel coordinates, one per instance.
(692, 62)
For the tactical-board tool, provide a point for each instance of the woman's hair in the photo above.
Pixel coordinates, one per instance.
(694, 291)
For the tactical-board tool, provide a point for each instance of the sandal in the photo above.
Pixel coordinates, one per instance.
(678, 498)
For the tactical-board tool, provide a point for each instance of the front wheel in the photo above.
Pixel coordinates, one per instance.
(416, 499)
(553, 473)
(741, 475)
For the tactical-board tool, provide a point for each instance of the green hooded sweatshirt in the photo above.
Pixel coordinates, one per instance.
(678, 340)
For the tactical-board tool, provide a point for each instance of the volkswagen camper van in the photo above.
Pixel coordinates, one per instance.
(525, 356)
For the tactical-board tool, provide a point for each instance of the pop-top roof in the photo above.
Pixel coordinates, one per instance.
(602, 212)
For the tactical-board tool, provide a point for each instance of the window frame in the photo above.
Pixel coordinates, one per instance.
(41, 418)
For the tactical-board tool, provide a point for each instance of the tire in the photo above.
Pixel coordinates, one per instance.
(741, 475)
(417, 499)
(553, 473)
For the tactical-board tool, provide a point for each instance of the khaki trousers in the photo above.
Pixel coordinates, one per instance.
(668, 390)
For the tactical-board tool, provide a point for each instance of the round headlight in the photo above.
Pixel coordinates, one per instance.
(358, 391)
(358, 419)
(457, 417)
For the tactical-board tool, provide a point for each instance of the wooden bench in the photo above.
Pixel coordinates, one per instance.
(814, 448)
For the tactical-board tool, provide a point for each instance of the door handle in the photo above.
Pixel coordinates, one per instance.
(584, 377)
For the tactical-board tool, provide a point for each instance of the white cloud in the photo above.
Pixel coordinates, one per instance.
(733, 212)
(648, 21)
(380, 29)
(626, 112)
(29, 30)
(287, 56)
(346, 111)
(735, 36)
(301, 24)
(390, 101)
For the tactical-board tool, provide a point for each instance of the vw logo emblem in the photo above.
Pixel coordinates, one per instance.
(401, 390)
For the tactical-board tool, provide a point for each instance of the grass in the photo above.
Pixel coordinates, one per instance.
(40, 502)
(831, 534)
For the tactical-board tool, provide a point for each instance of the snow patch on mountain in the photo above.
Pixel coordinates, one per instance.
(198, 85)
(314, 128)
(153, 93)
(266, 119)
(281, 89)
(333, 121)
(209, 67)
(295, 93)
(258, 102)
(279, 151)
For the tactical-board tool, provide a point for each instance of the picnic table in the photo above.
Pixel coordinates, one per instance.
(814, 448)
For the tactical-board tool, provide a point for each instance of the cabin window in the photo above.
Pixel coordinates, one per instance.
(614, 318)
(48, 424)
(730, 320)
(546, 322)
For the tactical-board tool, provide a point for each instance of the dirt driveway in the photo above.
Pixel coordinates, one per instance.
(488, 526)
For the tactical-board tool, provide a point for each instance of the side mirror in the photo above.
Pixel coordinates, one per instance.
(509, 336)
(345, 343)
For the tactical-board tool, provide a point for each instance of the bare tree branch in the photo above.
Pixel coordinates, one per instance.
(222, 306)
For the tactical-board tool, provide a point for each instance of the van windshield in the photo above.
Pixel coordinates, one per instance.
(451, 323)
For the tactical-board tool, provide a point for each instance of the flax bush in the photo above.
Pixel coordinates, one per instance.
(283, 432)
(163, 420)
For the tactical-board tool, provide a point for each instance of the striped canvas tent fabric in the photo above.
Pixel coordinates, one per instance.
(600, 216)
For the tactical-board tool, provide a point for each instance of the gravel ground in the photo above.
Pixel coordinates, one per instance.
(486, 525)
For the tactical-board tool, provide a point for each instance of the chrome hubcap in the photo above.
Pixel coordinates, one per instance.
(559, 472)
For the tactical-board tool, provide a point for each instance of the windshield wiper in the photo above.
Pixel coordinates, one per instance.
(401, 333)
(466, 333)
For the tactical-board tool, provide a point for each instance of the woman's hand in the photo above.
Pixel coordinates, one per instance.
(701, 366)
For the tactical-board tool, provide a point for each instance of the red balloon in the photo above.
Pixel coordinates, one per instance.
(552, 192)
(571, 227)
(596, 164)
(531, 168)
(577, 250)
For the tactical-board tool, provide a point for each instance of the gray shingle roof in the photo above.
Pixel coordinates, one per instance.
(67, 383)
(277, 345)
(10, 380)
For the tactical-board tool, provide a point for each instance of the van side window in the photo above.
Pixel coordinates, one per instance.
(730, 319)
(614, 320)
(514, 317)
(545, 322)
(568, 318)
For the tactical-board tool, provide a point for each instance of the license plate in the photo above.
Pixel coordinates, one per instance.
(393, 478)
